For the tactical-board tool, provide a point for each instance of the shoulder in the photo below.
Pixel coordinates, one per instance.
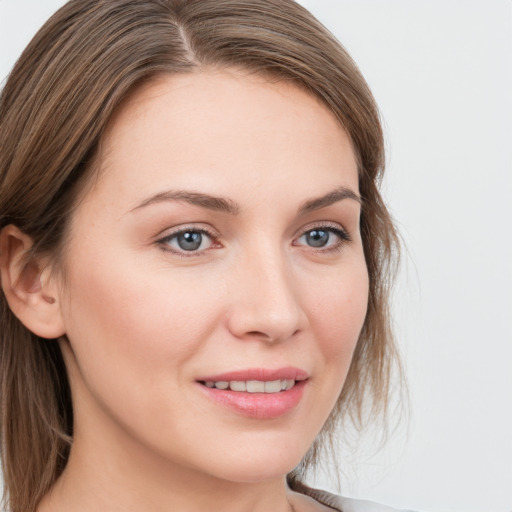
(342, 504)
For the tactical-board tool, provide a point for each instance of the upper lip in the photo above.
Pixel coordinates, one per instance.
(261, 374)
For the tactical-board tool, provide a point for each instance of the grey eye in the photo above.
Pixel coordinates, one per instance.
(189, 240)
(323, 238)
(317, 237)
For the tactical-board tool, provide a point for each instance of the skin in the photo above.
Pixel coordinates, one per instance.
(144, 319)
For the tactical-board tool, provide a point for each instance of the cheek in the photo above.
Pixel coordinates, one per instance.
(337, 306)
(135, 318)
(338, 310)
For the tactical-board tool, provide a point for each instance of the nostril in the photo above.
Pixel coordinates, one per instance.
(258, 333)
(271, 336)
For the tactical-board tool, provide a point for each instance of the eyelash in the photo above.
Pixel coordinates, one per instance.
(165, 241)
(342, 235)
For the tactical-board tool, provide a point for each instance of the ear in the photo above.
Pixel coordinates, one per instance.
(29, 285)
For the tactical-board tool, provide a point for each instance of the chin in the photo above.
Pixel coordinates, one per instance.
(256, 473)
(271, 462)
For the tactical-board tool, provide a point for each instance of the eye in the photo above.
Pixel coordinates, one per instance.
(317, 237)
(324, 237)
(187, 241)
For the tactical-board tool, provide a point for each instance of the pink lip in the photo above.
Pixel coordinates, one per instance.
(258, 374)
(258, 405)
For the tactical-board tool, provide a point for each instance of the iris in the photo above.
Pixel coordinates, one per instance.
(317, 237)
(189, 240)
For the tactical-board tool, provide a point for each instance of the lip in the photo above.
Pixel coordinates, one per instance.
(264, 374)
(257, 405)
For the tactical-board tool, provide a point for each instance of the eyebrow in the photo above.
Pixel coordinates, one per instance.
(328, 199)
(225, 205)
(214, 203)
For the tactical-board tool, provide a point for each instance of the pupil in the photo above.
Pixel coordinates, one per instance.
(317, 238)
(190, 241)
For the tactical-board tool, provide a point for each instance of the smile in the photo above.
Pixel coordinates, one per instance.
(257, 393)
(253, 386)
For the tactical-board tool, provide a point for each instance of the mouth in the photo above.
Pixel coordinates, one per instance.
(251, 386)
(257, 393)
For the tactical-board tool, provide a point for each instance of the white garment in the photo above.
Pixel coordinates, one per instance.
(342, 504)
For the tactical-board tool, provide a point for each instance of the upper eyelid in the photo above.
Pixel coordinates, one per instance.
(336, 226)
(169, 233)
(209, 230)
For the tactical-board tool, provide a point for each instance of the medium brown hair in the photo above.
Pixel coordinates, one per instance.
(53, 111)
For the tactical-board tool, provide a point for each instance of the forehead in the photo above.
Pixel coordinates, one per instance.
(210, 129)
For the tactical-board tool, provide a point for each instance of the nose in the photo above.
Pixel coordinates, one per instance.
(265, 303)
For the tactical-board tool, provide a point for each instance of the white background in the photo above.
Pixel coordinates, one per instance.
(441, 72)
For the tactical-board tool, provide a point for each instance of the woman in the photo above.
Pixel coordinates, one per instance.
(194, 258)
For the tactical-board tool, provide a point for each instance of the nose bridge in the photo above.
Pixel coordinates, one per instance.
(267, 303)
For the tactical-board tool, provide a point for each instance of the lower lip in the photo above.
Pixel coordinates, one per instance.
(258, 405)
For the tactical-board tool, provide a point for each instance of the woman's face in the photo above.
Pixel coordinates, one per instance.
(218, 248)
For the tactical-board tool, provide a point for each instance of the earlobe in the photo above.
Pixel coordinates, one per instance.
(28, 285)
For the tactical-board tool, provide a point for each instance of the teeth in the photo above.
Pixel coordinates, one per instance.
(273, 386)
(287, 384)
(238, 385)
(253, 386)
